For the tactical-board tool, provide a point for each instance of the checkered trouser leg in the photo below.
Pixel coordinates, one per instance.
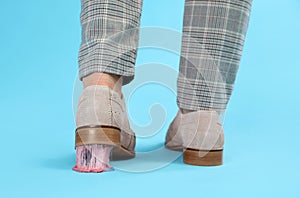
(212, 42)
(109, 37)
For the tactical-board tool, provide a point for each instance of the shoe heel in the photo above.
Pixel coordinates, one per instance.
(104, 135)
(203, 158)
(97, 135)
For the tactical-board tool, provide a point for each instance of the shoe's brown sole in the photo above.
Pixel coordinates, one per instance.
(203, 158)
(105, 135)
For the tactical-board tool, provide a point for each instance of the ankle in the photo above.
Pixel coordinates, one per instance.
(112, 81)
(184, 111)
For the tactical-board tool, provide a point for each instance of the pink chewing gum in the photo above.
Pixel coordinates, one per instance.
(93, 158)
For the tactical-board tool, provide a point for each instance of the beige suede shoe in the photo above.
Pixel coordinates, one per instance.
(199, 135)
(102, 119)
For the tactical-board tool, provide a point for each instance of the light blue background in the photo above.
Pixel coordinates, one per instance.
(39, 43)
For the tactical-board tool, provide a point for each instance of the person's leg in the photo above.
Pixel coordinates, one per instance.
(213, 37)
(110, 34)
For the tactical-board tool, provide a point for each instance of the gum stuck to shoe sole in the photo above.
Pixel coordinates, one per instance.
(92, 158)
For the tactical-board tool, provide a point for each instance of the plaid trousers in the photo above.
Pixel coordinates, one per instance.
(212, 42)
